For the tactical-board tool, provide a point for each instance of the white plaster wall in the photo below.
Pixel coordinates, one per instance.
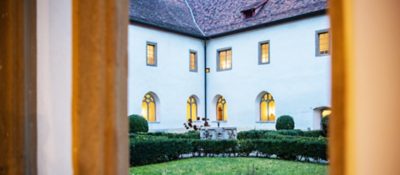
(317, 119)
(54, 86)
(297, 79)
(171, 80)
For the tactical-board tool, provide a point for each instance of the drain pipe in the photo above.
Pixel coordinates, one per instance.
(205, 79)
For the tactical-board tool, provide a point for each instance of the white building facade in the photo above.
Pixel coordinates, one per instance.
(170, 81)
(292, 75)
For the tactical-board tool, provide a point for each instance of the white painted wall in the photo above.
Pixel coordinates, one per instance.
(54, 86)
(171, 80)
(297, 79)
(317, 118)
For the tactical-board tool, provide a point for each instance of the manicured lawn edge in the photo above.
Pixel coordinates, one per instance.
(231, 166)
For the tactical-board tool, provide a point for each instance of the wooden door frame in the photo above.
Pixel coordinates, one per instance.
(339, 17)
(99, 90)
(18, 133)
(98, 26)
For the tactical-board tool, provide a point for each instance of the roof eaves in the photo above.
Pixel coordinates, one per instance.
(168, 29)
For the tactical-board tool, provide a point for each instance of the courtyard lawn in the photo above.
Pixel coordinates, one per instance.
(234, 166)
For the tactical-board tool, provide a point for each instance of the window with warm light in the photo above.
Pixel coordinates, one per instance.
(224, 60)
(151, 54)
(193, 61)
(267, 108)
(221, 109)
(326, 112)
(149, 107)
(264, 52)
(322, 45)
(191, 109)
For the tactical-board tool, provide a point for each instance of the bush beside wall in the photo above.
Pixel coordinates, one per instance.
(324, 125)
(284, 122)
(137, 124)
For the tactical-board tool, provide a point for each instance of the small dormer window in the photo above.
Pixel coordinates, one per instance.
(249, 13)
(252, 9)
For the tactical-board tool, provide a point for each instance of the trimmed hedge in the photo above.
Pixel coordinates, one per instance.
(284, 122)
(137, 124)
(144, 152)
(213, 147)
(154, 150)
(246, 147)
(292, 149)
(314, 133)
(265, 134)
(251, 134)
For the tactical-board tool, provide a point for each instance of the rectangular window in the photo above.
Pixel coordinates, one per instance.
(263, 52)
(224, 59)
(151, 54)
(193, 61)
(322, 45)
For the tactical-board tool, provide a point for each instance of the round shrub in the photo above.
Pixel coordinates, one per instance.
(137, 124)
(284, 122)
(324, 125)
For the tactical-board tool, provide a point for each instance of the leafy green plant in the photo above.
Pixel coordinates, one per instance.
(285, 122)
(137, 124)
(324, 125)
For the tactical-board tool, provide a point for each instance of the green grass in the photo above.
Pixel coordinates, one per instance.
(233, 166)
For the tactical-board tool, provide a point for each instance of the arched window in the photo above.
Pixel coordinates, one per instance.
(191, 109)
(221, 109)
(267, 108)
(149, 107)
